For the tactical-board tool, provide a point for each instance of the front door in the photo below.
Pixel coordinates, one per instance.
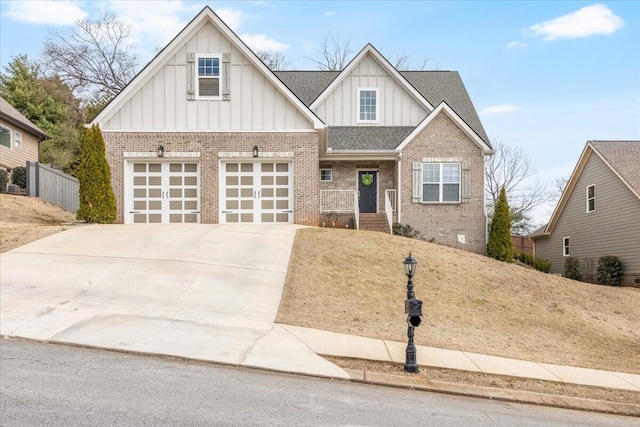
(368, 191)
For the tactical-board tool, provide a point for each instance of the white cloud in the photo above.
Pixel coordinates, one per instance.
(329, 13)
(516, 45)
(153, 23)
(45, 12)
(261, 42)
(232, 17)
(588, 21)
(499, 109)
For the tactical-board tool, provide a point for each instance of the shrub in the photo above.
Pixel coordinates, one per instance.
(500, 245)
(542, 264)
(610, 270)
(19, 176)
(405, 230)
(4, 179)
(572, 268)
(97, 201)
(539, 264)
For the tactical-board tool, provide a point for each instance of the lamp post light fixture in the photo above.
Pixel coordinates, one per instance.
(160, 151)
(413, 309)
(255, 151)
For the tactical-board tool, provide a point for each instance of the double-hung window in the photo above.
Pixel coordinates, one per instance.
(591, 198)
(441, 182)
(5, 137)
(566, 246)
(17, 140)
(208, 77)
(367, 105)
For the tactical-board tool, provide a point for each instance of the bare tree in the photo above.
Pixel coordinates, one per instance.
(332, 53)
(557, 188)
(511, 167)
(95, 58)
(401, 62)
(276, 61)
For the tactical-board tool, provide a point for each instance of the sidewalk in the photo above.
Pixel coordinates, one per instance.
(342, 345)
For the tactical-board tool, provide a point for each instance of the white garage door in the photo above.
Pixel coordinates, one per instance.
(256, 192)
(163, 192)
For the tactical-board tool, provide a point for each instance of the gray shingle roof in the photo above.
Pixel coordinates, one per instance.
(435, 86)
(10, 114)
(367, 137)
(624, 158)
(307, 85)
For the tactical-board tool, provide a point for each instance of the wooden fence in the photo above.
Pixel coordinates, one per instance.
(53, 186)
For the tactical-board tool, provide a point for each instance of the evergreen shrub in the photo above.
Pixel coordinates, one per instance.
(572, 268)
(610, 270)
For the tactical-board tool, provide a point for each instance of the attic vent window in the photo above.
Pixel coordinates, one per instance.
(208, 77)
(367, 105)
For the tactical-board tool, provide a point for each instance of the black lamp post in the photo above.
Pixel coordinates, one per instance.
(413, 309)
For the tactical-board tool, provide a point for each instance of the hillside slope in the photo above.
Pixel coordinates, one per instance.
(353, 282)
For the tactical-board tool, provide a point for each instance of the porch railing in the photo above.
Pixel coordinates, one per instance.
(391, 195)
(388, 210)
(341, 201)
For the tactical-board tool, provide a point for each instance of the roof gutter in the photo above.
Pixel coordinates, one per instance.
(43, 136)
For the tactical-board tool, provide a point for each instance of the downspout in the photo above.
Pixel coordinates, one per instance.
(399, 190)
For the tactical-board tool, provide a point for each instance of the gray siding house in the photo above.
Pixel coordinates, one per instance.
(207, 133)
(599, 211)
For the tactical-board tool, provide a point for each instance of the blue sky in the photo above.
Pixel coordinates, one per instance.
(545, 76)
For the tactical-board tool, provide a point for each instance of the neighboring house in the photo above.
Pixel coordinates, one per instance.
(207, 133)
(19, 138)
(599, 211)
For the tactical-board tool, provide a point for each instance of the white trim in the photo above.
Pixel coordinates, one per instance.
(249, 154)
(17, 140)
(330, 174)
(359, 118)
(154, 154)
(594, 198)
(197, 76)
(444, 107)
(369, 49)
(399, 190)
(208, 131)
(441, 184)
(350, 155)
(206, 15)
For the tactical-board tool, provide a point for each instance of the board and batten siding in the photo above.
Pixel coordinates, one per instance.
(14, 157)
(161, 103)
(396, 106)
(612, 229)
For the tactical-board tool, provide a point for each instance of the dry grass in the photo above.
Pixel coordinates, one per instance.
(353, 282)
(25, 219)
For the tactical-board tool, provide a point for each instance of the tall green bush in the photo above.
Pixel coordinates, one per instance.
(4, 179)
(610, 270)
(19, 176)
(499, 245)
(97, 201)
(572, 268)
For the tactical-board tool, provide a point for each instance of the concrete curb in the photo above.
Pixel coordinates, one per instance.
(518, 396)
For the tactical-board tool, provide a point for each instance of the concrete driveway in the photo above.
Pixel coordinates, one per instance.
(208, 292)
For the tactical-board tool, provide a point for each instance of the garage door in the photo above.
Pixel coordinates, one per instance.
(256, 192)
(163, 192)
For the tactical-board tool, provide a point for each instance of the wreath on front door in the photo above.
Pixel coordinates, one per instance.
(367, 179)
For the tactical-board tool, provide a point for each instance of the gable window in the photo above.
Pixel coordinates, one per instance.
(17, 140)
(5, 137)
(591, 198)
(367, 105)
(566, 247)
(208, 77)
(326, 175)
(441, 182)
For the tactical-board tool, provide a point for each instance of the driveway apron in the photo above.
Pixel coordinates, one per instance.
(207, 292)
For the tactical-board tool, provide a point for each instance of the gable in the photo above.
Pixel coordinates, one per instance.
(161, 97)
(399, 104)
